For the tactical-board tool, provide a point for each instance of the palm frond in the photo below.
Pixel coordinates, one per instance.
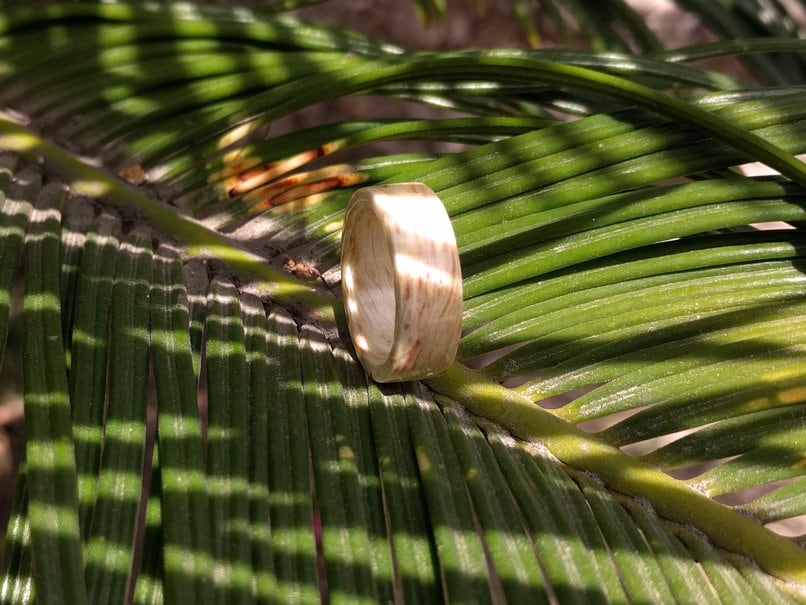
(200, 429)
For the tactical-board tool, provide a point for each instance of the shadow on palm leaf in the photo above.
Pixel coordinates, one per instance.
(298, 479)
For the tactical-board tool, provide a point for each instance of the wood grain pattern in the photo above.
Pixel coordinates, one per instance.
(402, 282)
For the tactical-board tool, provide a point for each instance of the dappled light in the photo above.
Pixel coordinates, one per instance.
(624, 417)
(338, 503)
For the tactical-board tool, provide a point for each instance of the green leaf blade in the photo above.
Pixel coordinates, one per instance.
(89, 356)
(109, 547)
(228, 444)
(185, 506)
(51, 477)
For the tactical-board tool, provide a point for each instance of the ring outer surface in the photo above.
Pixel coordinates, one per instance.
(401, 281)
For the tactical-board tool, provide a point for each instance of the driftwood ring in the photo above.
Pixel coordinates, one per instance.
(401, 281)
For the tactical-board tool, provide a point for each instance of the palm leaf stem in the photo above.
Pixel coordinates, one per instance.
(668, 496)
(202, 241)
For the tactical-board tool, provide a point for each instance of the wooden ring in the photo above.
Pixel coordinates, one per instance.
(401, 281)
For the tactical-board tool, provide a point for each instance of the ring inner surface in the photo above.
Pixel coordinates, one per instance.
(373, 289)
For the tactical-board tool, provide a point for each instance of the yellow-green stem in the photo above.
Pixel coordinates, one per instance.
(199, 240)
(671, 498)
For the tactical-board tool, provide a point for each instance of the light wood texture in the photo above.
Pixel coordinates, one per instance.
(401, 281)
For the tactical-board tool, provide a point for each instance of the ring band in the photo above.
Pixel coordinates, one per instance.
(401, 281)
